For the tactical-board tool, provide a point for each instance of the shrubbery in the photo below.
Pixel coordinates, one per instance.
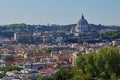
(111, 35)
(10, 68)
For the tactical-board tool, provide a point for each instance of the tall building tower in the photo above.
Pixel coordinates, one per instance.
(82, 25)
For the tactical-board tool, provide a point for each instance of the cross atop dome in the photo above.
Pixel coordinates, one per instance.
(82, 17)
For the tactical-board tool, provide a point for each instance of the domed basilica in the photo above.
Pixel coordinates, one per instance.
(81, 27)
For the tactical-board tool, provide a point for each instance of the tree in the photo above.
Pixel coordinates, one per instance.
(108, 61)
(44, 78)
(48, 50)
(63, 74)
(101, 64)
(79, 75)
(110, 35)
(10, 68)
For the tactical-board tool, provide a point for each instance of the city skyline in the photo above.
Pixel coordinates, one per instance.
(61, 12)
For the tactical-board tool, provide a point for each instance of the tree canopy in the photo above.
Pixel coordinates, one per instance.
(111, 35)
(10, 68)
(104, 64)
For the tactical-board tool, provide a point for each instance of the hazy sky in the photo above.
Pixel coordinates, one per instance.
(105, 12)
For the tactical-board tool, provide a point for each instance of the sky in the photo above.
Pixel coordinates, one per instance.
(62, 12)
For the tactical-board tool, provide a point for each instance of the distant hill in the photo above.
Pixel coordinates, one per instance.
(8, 30)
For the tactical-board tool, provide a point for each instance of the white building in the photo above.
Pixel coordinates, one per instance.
(23, 36)
(36, 66)
(2, 63)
